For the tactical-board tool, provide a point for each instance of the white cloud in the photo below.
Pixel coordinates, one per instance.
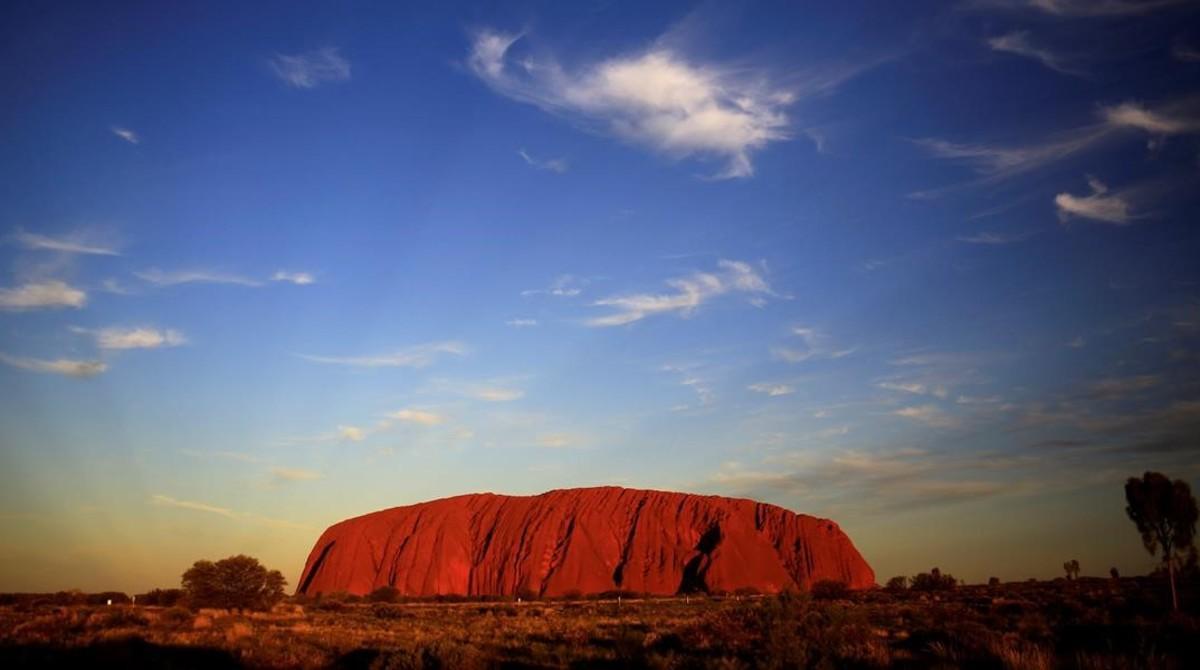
(300, 278)
(563, 286)
(558, 165)
(689, 293)
(521, 323)
(294, 475)
(41, 295)
(496, 394)
(167, 501)
(417, 416)
(1018, 43)
(1185, 53)
(417, 356)
(135, 338)
(914, 387)
(929, 415)
(68, 245)
(1100, 8)
(126, 134)
(61, 366)
(308, 70)
(993, 239)
(1099, 206)
(773, 390)
(351, 433)
(1176, 119)
(555, 440)
(814, 345)
(655, 98)
(999, 162)
(161, 278)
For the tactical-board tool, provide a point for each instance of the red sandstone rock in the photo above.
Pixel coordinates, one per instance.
(581, 540)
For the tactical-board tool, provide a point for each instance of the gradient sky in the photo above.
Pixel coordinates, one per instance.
(928, 270)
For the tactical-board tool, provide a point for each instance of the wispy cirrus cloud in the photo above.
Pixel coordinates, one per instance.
(687, 294)
(1094, 8)
(993, 239)
(772, 389)
(930, 415)
(1019, 43)
(299, 278)
(654, 98)
(995, 163)
(48, 294)
(126, 134)
(281, 474)
(417, 416)
(417, 356)
(134, 338)
(160, 500)
(1100, 205)
(311, 69)
(168, 501)
(73, 244)
(60, 366)
(521, 323)
(812, 344)
(558, 165)
(563, 286)
(163, 278)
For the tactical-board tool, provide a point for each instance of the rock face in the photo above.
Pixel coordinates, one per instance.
(581, 541)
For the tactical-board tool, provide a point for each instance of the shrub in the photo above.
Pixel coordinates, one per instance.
(897, 583)
(384, 594)
(237, 582)
(993, 582)
(160, 597)
(933, 580)
(830, 589)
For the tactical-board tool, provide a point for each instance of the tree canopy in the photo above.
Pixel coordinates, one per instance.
(237, 582)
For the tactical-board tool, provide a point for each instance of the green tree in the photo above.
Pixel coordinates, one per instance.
(237, 582)
(1164, 512)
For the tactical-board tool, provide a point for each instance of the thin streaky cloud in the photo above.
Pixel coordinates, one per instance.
(558, 165)
(67, 245)
(294, 474)
(993, 239)
(126, 134)
(60, 366)
(135, 338)
(42, 295)
(521, 323)
(417, 356)
(298, 278)
(771, 389)
(160, 278)
(563, 286)
(1019, 43)
(311, 69)
(417, 416)
(1099, 8)
(687, 294)
(168, 501)
(350, 433)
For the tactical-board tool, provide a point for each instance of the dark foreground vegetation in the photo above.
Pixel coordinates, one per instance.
(1081, 623)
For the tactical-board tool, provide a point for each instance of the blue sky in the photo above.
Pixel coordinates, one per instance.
(927, 270)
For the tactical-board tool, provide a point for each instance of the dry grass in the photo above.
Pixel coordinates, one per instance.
(1017, 626)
